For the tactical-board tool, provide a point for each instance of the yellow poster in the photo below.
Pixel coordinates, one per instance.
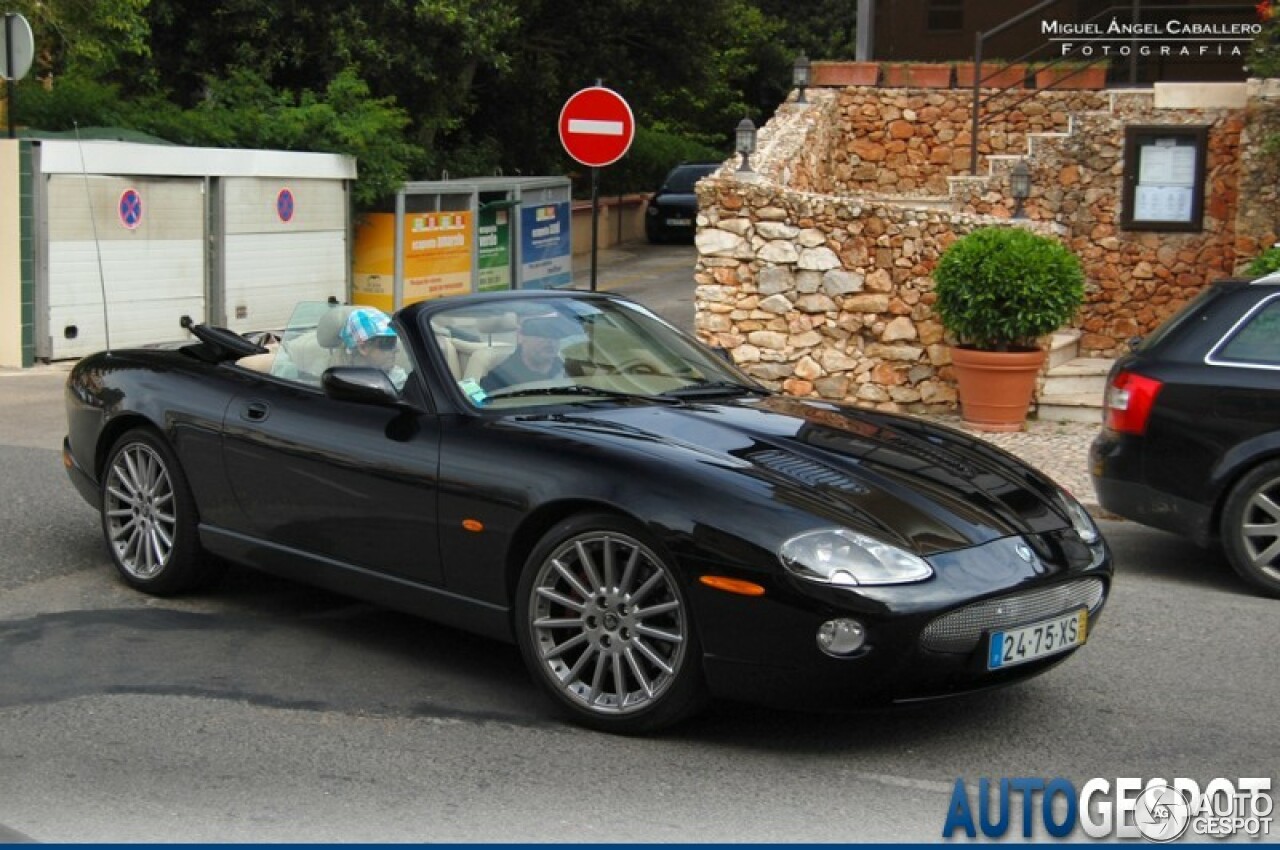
(373, 267)
(437, 255)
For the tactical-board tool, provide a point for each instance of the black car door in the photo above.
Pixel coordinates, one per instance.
(349, 482)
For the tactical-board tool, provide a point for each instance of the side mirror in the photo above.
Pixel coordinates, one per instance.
(359, 384)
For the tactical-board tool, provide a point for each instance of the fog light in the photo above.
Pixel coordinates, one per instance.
(841, 637)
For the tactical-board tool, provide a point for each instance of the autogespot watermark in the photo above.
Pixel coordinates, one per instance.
(1158, 810)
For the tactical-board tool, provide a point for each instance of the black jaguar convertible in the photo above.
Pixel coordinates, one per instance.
(567, 471)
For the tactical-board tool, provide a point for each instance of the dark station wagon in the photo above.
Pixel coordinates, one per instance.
(1191, 442)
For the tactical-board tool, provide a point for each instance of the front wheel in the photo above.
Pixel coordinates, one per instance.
(605, 627)
(1251, 528)
(149, 518)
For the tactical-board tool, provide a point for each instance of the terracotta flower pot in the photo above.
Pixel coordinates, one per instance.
(919, 76)
(992, 75)
(844, 73)
(1092, 77)
(996, 386)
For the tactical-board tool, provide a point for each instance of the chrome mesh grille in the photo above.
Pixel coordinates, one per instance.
(960, 630)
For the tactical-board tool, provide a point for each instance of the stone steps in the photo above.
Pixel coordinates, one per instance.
(1073, 390)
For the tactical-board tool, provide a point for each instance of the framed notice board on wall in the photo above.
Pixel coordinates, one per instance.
(1164, 178)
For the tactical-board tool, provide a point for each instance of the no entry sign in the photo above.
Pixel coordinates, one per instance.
(596, 126)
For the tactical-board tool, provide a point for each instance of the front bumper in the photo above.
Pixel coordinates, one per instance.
(775, 659)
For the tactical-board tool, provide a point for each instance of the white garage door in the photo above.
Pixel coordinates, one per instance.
(286, 241)
(151, 235)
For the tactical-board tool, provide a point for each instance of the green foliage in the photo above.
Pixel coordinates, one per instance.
(92, 37)
(652, 155)
(1265, 263)
(242, 111)
(1264, 60)
(1001, 288)
(468, 86)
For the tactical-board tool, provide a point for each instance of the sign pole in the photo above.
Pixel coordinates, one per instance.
(8, 75)
(596, 128)
(595, 221)
(595, 210)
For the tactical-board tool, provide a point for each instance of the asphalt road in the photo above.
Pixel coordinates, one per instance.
(265, 711)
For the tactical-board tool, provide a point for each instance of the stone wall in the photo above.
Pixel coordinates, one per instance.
(908, 142)
(815, 271)
(824, 296)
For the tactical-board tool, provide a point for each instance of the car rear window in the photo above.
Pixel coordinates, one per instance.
(1177, 320)
(682, 179)
(1256, 340)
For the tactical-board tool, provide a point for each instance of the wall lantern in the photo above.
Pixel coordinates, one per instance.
(800, 76)
(1020, 186)
(746, 138)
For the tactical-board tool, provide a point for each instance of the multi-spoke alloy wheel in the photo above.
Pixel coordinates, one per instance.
(1251, 527)
(606, 628)
(148, 518)
(140, 511)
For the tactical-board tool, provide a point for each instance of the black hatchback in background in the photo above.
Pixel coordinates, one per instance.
(673, 209)
(1191, 440)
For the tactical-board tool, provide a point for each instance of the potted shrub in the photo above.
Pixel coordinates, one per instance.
(999, 290)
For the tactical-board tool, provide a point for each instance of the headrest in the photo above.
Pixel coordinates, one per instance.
(543, 326)
(329, 328)
(496, 323)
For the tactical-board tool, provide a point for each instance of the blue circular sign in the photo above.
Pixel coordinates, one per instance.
(284, 204)
(130, 208)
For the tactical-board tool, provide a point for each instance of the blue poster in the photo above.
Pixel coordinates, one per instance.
(546, 246)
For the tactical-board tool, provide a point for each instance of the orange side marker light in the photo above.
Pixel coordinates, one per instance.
(733, 585)
(473, 525)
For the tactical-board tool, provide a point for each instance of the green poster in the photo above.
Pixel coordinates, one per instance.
(494, 247)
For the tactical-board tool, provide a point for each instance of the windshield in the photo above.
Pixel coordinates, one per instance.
(520, 352)
(681, 180)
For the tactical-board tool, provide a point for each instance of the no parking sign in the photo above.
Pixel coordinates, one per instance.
(130, 208)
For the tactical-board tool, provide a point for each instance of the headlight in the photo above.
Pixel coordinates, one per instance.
(844, 558)
(1080, 520)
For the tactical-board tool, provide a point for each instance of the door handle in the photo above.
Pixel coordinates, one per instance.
(255, 411)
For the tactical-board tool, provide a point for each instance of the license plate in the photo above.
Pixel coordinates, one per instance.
(1038, 640)
(679, 222)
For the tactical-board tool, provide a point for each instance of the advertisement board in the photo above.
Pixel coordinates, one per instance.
(437, 255)
(546, 246)
(373, 267)
(494, 249)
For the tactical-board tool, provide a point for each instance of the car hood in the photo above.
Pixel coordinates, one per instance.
(921, 486)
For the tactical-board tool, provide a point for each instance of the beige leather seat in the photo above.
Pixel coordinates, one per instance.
(483, 360)
(499, 340)
(451, 358)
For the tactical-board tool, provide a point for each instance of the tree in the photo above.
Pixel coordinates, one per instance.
(91, 37)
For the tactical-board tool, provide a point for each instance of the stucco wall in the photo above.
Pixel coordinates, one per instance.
(10, 257)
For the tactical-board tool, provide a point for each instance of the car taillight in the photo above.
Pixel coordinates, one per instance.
(1129, 401)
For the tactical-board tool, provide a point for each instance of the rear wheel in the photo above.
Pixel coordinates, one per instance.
(149, 518)
(605, 627)
(1251, 528)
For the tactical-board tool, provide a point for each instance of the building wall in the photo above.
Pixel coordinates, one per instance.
(10, 257)
(902, 32)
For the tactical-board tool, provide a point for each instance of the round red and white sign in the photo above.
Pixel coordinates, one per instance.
(596, 126)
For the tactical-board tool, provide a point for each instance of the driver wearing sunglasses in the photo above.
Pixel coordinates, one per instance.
(371, 341)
